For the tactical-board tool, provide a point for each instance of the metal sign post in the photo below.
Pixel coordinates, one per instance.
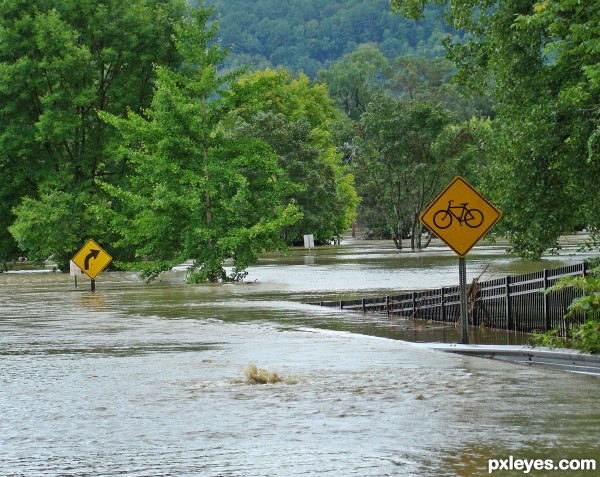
(464, 306)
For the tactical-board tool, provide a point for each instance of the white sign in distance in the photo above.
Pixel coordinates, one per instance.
(309, 241)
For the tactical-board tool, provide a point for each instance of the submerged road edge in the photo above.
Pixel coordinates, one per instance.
(561, 359)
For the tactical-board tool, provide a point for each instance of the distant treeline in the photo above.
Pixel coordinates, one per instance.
(310, 35)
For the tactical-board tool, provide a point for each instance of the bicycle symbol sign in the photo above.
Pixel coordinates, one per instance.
(460, 216)
(471, 217)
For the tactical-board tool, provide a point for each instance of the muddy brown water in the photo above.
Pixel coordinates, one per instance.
(149, 380)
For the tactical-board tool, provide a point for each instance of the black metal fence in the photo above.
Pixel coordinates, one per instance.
(514, 303)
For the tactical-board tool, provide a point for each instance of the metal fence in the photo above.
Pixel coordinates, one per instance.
(514, 303)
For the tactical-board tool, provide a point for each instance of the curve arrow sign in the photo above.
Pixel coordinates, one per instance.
(93, 254)
(91, 259)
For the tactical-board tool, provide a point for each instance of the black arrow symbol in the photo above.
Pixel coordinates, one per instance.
(93, 254)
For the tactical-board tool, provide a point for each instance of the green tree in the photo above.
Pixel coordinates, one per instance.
(297, 118)
(407, 151)
(431, 79)
(541, 61)
(353, 80)
(357, 77)
(197, 189)
(60, 62)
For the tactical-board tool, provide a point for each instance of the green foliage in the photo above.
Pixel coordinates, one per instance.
(50, 226)
(549, 339)
(540, 59)
(309, 35)
(589, 287)
(197, 189)
(406, 152)
(586, 336)
(296, 119)
(118, 124)
(354, 78)
(432, 80)
(60, 63)
(366, 77)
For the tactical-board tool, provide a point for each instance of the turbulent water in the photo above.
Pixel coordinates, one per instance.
(152, 380)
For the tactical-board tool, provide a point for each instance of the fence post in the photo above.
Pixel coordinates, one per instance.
(547, 324)
(509, 317)
(443, 300)
(387, 304)
(341, 305)
(364, 307)
(414, 304)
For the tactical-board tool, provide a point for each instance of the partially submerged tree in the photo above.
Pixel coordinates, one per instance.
(407, 151)
(196, 190)
(296, 119)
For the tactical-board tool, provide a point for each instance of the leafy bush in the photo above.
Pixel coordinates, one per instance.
(549, 339)
(586, 336)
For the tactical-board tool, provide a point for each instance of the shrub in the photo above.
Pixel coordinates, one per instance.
(586, 336)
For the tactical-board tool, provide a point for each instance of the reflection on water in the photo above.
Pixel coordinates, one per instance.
(145, 380)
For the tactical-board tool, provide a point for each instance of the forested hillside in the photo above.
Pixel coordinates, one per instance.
(309, 35)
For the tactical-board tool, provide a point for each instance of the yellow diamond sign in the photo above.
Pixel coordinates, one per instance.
(460, 216)
(92, 259)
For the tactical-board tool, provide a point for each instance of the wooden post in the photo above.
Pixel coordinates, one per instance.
(93, 283)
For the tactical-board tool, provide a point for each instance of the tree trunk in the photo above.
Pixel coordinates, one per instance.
(397, 235)
(208, 203)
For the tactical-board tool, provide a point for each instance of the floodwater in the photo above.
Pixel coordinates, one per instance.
(149, 380)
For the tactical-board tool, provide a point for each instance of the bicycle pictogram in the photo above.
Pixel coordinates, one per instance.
(472, 218)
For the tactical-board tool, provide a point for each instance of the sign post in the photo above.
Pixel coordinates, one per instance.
(92, 259)
(464, 305)
(460, 216)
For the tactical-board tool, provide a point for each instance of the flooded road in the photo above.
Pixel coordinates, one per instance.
(149, 380)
